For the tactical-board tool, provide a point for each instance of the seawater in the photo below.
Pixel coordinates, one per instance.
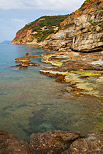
(31, 102)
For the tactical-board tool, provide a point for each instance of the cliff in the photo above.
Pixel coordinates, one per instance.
(81, 31)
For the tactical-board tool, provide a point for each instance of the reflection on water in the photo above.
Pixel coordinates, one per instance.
(30, 102)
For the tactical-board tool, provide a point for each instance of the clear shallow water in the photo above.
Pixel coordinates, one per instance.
(31, 102)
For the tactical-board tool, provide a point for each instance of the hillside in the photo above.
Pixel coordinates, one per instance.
(82, 30)
(39, 29)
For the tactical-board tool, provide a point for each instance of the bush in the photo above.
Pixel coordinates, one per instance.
(98, 2)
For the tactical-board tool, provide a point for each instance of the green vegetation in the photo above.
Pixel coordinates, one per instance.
(98, 2)
(90, 21)
(68, 25)
(44, 26)
(95, 23)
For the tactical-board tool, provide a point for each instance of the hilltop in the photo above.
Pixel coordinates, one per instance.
(39, 29)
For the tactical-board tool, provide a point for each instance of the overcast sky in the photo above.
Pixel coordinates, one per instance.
(14, 14)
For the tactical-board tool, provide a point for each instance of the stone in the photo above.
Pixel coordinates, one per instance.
(23, 59)
(53, 141)
(10, 144)
(28, 55)
(33, 64)
(61, 78)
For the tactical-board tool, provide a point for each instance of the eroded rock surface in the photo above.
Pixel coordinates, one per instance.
(81, 31)
(92, 144)
(84, 71)
(52, 142)
(10, 144)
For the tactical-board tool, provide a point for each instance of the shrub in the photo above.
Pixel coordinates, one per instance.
(98, 2)
(90, 21)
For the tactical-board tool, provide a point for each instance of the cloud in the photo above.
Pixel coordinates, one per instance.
(41, 4)
(18, 20)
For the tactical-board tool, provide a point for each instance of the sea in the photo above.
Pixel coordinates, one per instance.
(31, 102)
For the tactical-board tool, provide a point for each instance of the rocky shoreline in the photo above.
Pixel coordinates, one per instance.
(52, 142)
(83, 71)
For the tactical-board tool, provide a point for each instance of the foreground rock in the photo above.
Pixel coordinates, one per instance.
(92, 144)
(10, 144)
(52, 142)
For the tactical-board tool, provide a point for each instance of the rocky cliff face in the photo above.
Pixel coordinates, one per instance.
(82, 30)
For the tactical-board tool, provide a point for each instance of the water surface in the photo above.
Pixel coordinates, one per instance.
(31, 102)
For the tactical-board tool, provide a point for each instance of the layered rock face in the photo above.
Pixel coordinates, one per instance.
(81, 31)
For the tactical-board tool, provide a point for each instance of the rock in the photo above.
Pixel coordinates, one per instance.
(92, 144)
(10, 144)
(33, 64)
(28, 55)
(61, 78)
(54, 71)
(81, 30)
(24, 64)
(23, 59)
(53, 141)
(100, 79)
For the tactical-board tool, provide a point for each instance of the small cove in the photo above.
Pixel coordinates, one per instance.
(31, 102)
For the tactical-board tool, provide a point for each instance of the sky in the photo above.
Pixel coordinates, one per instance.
(15, 14)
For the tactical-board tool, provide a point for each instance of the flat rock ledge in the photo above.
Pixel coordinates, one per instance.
(52, 142)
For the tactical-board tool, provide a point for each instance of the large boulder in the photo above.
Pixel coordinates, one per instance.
(10, 144)
(93, 144)
(53, 141)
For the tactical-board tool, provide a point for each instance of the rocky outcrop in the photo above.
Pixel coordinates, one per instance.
(24, 61)
(83, 71)
(81, 31)
(52, 142)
